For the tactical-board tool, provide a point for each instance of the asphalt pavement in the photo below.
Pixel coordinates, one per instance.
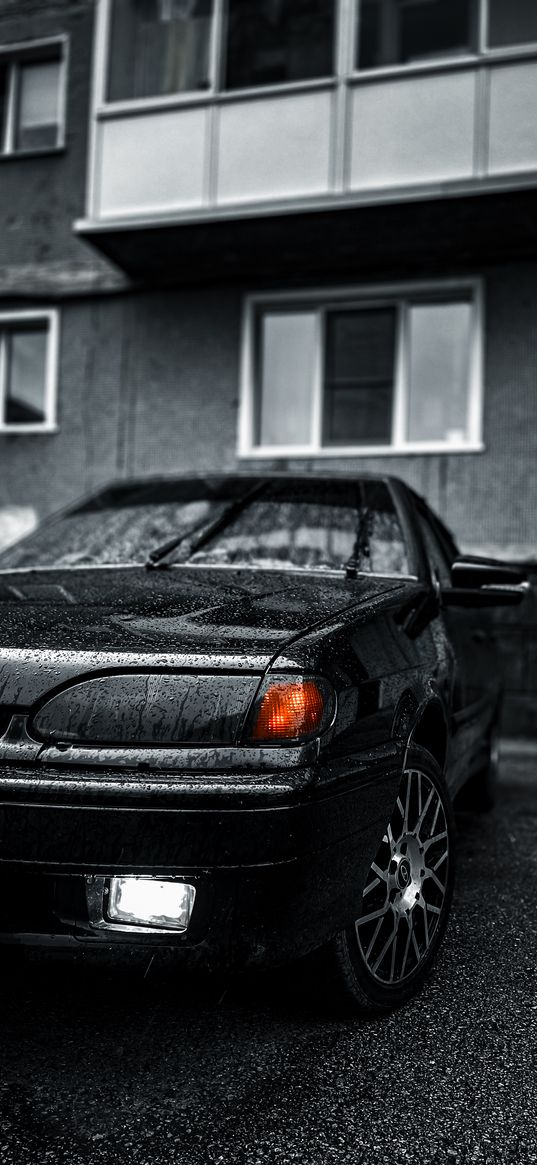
(102, 1064)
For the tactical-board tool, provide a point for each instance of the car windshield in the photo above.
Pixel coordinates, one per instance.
(318, 525)
(120, 526)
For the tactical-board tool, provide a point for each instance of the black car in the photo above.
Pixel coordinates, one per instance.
(234, 714)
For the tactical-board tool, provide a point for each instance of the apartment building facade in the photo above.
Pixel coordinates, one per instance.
(295, 233)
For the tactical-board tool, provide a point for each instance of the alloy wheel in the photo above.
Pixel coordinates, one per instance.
(406, 888)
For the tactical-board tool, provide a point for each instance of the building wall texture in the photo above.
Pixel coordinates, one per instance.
(149, 384)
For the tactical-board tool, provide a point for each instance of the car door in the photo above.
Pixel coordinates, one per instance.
(476, 682)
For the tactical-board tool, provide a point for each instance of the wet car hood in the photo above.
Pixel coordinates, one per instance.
(63, 622)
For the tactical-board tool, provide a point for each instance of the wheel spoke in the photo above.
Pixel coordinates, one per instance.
(385, 948)
(368, 889)
(431, 874)
(410, 922)
(394, 951)
(423, 813)
(374, 914)
(380, 873)
(423, 905)
(407, 802)
(435, 818)
(440, 860)
(415, 945)
(431, 840)
(374, 939)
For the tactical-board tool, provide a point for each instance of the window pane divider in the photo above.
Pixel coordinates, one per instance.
(400, 384)
(483, 27)
(318, 380)
(13, 84)
(3, 375)
(216, 58)
(475, 387)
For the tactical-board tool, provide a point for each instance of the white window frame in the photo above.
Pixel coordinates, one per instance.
(401, 294)
(12, 57)
(483, 51)
(9, 320)
(345, 69)
(214, 91)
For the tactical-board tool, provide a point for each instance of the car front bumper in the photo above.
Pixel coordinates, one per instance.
(277, 871)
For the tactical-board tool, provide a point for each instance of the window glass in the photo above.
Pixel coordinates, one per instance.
(439, 371)
(318, 526)
(3, 107)
(37, 118)
(339, 374)
(272, 41)
(124, 524)
(513, 23)
(435, 552)
(397, 32)
(159, 47)
(360, 354)
(26, 352)
(288, 343)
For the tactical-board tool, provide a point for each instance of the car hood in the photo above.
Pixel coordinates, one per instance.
(56, 624)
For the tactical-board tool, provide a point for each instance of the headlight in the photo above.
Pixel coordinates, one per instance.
(148, 709)
(151, 902)
(291, 709)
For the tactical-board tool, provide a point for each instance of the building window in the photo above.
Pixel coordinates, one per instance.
(406, 32)
(159, 47)
(396, 372)
(400, 32)
(28, 361)
(512, 24)
(276, 41)
(31, 99)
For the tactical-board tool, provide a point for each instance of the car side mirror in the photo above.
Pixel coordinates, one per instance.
(484, 582)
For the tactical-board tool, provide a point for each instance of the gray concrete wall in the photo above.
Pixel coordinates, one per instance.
(149, 383)
(40, 196)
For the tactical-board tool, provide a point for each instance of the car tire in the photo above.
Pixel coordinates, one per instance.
(478, 795)
(382, 960)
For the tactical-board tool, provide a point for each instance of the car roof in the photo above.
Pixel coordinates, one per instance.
(138, 490)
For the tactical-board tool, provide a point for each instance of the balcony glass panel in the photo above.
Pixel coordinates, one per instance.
(274, 41)
(400, 32)
(159, 47)
(512, 24)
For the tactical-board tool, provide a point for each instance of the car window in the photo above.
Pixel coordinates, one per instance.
(318, 526)
(435, 551)
(121, 526)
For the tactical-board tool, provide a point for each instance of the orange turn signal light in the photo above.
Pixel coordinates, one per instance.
(290, 710)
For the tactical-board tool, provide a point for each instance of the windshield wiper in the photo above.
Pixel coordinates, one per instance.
(361, 548)
(193, 543)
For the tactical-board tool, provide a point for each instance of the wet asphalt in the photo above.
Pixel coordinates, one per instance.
(106, 1064)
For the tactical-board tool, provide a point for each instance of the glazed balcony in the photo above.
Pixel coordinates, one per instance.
(237, 145)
